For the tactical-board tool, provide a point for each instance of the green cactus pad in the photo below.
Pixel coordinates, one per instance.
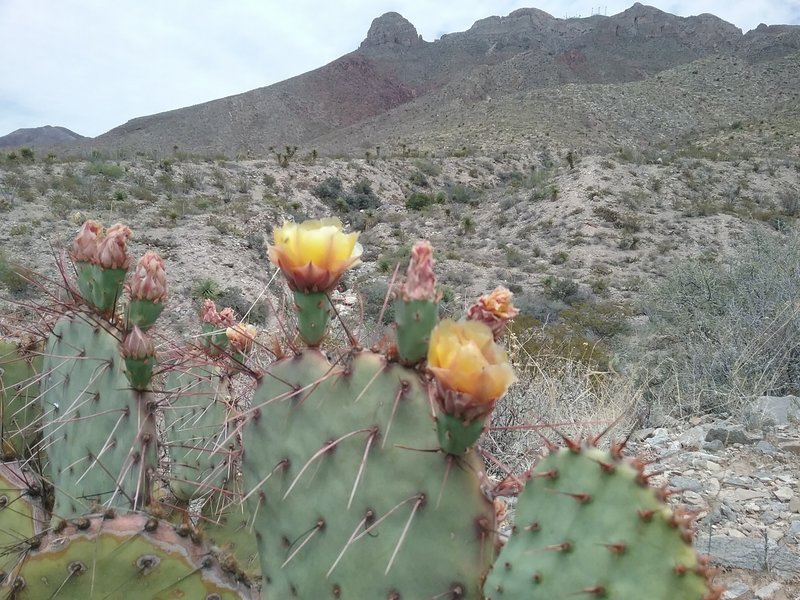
(313, 314)
(196, 418)
(226, 526)
(415, 320)
(100, 287)
(22, 515)
(131, 556)
(19, 387)
(588, 525)
(349, 494)
(100, 434)
(457, 436)
(143, 313)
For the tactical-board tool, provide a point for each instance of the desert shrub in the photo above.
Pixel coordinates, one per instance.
(559, 288)
(418, 179)
(362, 197)
(725, 332)
(106, 169)
(15, 277)
(420, 200)
(461, 194)
(428, 167)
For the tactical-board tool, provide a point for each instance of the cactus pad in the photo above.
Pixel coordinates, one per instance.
(349, 493)
(588, 525)
(20, 364)
(196, 417)
(122, 557)
(99, 433)
(22, 515)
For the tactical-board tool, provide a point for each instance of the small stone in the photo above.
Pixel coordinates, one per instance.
(693, 498)
(735, 533)
(713, 446)
(736, 591)
(729, 435)
(784, 494)
(768, 591)
(686, 483)
(767, 448)
(794, 505)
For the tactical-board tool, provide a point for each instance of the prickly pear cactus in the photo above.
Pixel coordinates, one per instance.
(20, 366)
(131, 556)
(349, 493)
(588, 525)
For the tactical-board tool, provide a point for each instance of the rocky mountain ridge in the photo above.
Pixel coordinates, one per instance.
(509, 59)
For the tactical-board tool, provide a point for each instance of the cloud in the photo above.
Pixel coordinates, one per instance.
(91, 65)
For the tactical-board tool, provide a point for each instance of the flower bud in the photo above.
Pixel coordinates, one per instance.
(149, 280)
(84, 248)
(420, 283)
(137, 345)
(494, 309)
(241, 337)
(112, 251)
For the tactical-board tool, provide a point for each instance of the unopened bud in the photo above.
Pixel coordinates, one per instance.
(137, 345)
(112, 251)
(84, 248)
(149, 280)
(420, 281)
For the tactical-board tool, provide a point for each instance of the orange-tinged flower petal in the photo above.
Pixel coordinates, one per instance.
(464, 358)
(494, 309)
(314, 254)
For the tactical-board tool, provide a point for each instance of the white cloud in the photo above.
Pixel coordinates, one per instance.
(92, 64)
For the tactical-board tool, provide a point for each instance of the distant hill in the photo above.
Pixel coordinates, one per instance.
(532, 74)
(39, 136)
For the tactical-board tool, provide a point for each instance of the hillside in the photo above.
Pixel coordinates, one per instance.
(528, 68)
(33, 137)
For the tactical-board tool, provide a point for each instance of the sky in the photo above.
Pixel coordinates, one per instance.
(90, 65)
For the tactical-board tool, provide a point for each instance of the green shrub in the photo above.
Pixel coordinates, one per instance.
(559, 288)
(15, 277)
(420, 200)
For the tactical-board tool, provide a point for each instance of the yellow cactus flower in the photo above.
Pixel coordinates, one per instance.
(465, 359)
(314, 254)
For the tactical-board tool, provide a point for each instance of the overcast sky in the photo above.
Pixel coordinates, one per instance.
(90, 65)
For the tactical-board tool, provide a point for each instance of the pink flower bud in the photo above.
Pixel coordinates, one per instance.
(149, 280)
(137, 345)
(420, 281)
(495, 309)
(209, 314)
(226, 317)
(84, 248)
(241, 337)
(112, 251)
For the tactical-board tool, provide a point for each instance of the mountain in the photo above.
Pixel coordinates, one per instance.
(599, 79)
(39, 136)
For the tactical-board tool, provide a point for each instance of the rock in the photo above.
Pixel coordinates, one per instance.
(713, 446)
(794, 505)
(784, 494)
(793, 447)
(736, 591)
(767, 448)
(392, 28)
(686, 483)
(750, 553)
(660, 437)
(731, 434)
(768, 591)
(771, 411)
(693, 438)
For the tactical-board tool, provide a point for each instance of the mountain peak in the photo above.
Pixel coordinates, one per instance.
(392, 28)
